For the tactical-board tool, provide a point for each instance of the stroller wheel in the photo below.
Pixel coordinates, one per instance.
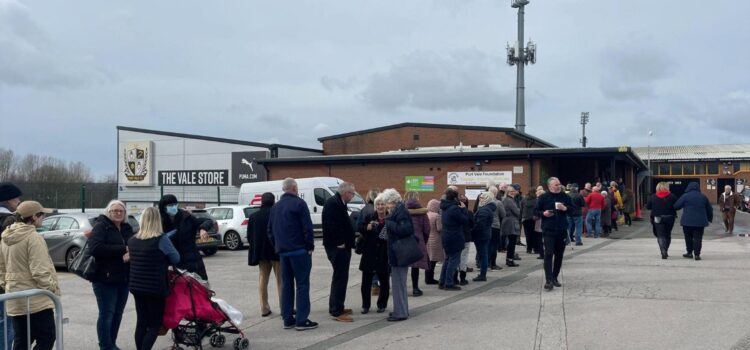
(241, 344)
(217, 340)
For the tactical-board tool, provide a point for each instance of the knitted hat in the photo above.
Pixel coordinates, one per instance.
(9, 191)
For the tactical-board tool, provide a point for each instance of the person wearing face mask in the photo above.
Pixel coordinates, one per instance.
(185, 224)
(25, 264)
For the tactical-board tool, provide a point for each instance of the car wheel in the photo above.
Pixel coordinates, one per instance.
(70, 255)
(210, 251)
(232, 240)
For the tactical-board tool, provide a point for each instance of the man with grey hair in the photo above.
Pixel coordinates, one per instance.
(338, 240)
(553, 207)
(290, 230)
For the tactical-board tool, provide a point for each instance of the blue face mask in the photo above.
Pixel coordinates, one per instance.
(172, 210)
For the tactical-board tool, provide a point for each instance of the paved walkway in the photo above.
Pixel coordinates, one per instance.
(617, 294)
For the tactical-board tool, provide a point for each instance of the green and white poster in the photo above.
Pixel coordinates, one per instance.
(420, 183)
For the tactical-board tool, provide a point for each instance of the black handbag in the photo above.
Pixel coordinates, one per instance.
(359, 245)
(406, 251)
(84, 264)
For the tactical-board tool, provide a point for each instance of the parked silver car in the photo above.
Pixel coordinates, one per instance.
(64, 235)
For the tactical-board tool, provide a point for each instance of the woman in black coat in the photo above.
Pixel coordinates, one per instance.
(398, 226)
(261, 252)
(374, 261)
(663, 215)
(173, 218)
(108, 245)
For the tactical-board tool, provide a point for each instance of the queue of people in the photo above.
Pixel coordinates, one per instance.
(398, 237)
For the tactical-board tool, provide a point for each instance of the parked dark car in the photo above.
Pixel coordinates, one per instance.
(211, 246)
(134, 223)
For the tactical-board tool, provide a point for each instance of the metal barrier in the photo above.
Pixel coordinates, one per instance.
(28, 294)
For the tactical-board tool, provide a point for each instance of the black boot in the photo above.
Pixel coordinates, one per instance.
(462, 278)
(429, 277)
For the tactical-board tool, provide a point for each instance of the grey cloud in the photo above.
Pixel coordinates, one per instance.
(632, 74)
(460, 80)
(30, 59)
(331, 84)
(274, 121)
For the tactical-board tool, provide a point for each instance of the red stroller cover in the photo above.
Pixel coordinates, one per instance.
(189, 299)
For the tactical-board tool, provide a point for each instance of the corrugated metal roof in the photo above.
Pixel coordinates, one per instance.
(697, 152)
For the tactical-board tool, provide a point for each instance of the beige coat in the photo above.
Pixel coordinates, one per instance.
(25, 264)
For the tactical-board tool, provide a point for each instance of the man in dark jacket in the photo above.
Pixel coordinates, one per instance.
(10, 197)
(454, 217)
(575, 221)
(553, 207)
(338, 240)
(290, 230)
(697, 214)
(261, 251)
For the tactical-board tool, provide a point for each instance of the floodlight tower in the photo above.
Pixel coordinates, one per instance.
(520, 56)
(584, 121)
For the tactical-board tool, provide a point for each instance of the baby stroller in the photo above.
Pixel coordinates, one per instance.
(192, 314)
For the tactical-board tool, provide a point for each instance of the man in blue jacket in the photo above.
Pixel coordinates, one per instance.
(553, 207)
(290, 230)
(697, 213)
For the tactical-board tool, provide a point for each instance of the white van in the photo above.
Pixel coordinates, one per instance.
(314, 190)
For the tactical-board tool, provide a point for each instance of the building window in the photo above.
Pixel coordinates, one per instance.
(664, 169)
(737, 166)
(713, 168)
(676, 169)
(688, 169)
(416, 137)
(700, 168)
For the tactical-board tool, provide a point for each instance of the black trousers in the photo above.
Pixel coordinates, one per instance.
(42, 326)
(340, 259)
(533, 239)
(628, 220)
(385, 286)
(511, 248)
(149, 311)
(663, 232)
(693, 239)
(494, 246)
(554, 248)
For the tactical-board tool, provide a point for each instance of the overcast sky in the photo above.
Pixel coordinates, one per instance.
(293, 71)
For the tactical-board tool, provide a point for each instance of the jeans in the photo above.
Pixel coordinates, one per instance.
(42, 325)
(693, 239)
(295, 269)
(594, 222)
(554, 248)
(7, 340)
(340, 259)
(575, 226)
(149, 311)
(482, 246)
(111, 300)
(449, 268)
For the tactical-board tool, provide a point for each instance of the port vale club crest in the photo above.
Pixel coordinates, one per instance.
(136, 161)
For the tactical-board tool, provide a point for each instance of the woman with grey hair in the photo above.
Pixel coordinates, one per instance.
(398, 226)
(108, 245)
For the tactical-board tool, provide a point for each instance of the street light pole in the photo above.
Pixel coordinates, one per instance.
(584, 121)
(648, 160)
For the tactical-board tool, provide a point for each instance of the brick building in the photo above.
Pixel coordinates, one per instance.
(437, 155)
(420, 135)
(713, 166)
